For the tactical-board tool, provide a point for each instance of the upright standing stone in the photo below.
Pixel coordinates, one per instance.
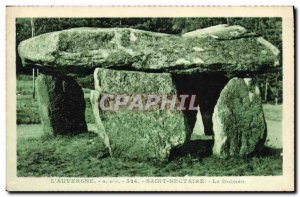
(95, 101)
(139, 133)
(61, 103)
(238, 120)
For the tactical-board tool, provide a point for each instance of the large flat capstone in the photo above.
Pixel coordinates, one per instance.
(238, 120)
(215, 49)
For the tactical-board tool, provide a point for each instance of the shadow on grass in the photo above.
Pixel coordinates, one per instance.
(195, 148)
(203, 148)
(268, 151)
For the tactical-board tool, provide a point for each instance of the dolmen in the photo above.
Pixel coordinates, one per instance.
(149, 86)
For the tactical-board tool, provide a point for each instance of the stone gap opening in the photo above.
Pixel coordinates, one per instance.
(207, 88)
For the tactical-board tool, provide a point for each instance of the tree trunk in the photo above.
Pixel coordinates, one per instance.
(32, 27)
(33, 83)
(266, 90)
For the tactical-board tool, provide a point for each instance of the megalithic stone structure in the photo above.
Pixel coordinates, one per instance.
(209, 62)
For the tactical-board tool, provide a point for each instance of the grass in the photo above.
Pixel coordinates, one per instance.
(273, 112)
(27, 110)
(24, 85)
(65, 156)
(83, 156)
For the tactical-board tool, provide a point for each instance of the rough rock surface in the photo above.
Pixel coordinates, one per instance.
(132, 82)
(206, 87)
(140, 134)
(61, 104)
(95, 101)
(222, 31)
(219, 49)
(238, 120)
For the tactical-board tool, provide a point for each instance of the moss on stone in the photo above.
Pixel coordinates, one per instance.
(139, 134)
(144, 50)
(132, 82)
(144, 135)
(238, 120)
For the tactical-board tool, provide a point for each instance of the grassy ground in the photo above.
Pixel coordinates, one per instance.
(65, 156)
(40, 155)
(273, 116)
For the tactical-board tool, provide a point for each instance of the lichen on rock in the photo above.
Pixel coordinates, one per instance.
(238, 120)
(139, 134)
(124, 48)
